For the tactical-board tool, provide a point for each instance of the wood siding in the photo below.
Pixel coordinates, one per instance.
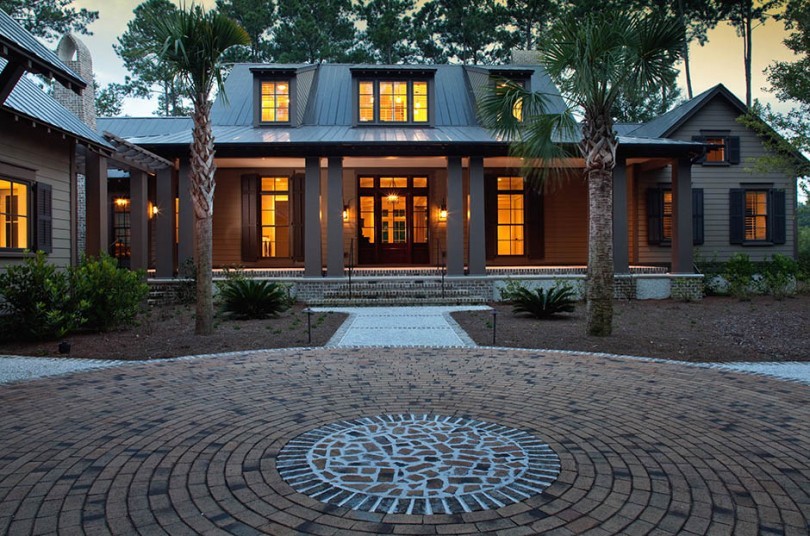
(566, 222)
(49, 155)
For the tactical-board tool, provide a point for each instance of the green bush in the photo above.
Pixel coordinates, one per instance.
(779, 275)
(542, 303)
(250, 298)
(739, 273)
(36, 301)
(804, 254)
(115, 295)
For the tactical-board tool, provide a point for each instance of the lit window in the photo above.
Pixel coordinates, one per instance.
(366, 100)
(393, 101)
(756, 215)
(275, 102)
(717, 154)
(510, 225)
(122, 228)
(420, 102)
(666, 215)
(275, 217)
(14, 215)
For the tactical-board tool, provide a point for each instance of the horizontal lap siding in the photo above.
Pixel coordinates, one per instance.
(717, 181)
(566, 222)
(228, 217)
(49, 154)
(650, 254)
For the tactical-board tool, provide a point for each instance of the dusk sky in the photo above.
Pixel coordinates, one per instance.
(720, 60)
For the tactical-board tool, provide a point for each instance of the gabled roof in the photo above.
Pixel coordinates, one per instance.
(29, 101)
(19, 46)
(666, 124)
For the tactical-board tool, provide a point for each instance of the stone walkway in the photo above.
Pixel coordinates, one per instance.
(195, 446)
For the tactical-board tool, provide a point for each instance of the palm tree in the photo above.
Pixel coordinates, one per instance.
(191, 43)
(593, 61)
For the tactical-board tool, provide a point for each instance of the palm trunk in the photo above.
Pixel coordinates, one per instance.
(599, 150)
(202, 195)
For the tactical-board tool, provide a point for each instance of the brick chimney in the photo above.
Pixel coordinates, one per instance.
(77, 56)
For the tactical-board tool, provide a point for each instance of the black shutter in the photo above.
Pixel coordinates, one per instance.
(733, 149)
(250, 223)
(697, 216)
(654, 216)
(44, 217)
(534, 229)
(491, 214)
(297, 192)
(700, 139)
(777, 210)
(736, 211)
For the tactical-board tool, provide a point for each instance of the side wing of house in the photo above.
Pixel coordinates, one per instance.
(737, 209)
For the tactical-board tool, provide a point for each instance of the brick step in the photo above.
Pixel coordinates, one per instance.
(396, 293)
(359, 302)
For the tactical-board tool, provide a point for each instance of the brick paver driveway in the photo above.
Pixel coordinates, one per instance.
(190, 446)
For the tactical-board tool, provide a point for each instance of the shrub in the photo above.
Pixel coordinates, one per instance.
(509, 291)
(114, 294)
(804, 254)
(542, 303)
(739, 273)
(36, 301)
(779, 275)
(250, 298)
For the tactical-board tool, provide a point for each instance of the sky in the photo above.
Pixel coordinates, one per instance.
(721, 60)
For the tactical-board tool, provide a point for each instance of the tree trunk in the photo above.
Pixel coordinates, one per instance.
(202, 197)
(599, 150)
(686, 68)
(747, 57)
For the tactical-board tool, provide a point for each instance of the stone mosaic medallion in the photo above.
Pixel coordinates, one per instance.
(418, 464)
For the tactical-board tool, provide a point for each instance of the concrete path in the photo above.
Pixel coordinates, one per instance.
(401, 326)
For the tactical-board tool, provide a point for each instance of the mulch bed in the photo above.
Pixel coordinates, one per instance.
(168, 331)
(715, 329)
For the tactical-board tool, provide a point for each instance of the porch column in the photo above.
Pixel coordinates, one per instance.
(455, 217)
(621, 257)
(164, 224)
(97, 208)
(185, 239)
(312, 217)
(478, 262)
(334, 217)
(139, 220)
(682, 262)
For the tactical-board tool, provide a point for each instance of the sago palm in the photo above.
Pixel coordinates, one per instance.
(191, 41)
(593, 61)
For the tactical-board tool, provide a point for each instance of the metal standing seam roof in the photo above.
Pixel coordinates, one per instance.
(28, 100)
(16, 42)
(143, 127)
(663, 125)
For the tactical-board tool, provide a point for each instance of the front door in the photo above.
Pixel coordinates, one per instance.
(393, 225)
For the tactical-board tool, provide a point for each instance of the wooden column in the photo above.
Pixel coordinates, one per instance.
(477, 233)
(138, 220)
(682, 258)
(334, 217)
(621, 256)
(165, 186)
(185, 239)
(97, 205)
(455, 217)
(312, 217)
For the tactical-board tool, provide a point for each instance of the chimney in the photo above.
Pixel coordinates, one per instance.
(77, 56)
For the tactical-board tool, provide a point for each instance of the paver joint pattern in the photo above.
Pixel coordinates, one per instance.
(418, 464)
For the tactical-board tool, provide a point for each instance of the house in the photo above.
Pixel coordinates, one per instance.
(38, 151)
(324, 168)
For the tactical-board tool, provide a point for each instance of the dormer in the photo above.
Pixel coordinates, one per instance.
(483, 80)
(393, 96)
(280, 94)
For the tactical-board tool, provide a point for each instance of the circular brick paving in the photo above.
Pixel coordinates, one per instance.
(191, 446)
(418, 464)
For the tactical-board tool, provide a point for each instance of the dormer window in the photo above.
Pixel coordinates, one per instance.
(275, 101)
(519, 77)
(392, 101)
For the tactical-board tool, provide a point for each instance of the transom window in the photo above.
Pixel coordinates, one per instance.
(275, 101)
(392, 101)
(756, 215)
(14, 214)
(510, 234)
(275, 217)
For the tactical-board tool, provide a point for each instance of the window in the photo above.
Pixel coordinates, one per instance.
(14, 215)
(393, 101)
(757, 216)
(510, 229)
(275, 101)
(724, 149)
(275, 217)
(517, 108)
(121, 227)
(660, 216)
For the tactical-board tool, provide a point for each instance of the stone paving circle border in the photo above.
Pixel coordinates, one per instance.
(418, 464)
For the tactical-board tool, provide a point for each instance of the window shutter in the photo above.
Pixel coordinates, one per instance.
(297, 192)
(250, 222)
(697, 216)
(733, 149)
(654, 213)
(534, 230)
(700, 139)
(491, 214)
(736, 210)
(44, 217)
(777, 209)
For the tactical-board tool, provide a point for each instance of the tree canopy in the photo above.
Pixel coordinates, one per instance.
(49, 19)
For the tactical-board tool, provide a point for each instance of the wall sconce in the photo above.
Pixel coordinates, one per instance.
(152, 210)
(345, 212)
(443, 212)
